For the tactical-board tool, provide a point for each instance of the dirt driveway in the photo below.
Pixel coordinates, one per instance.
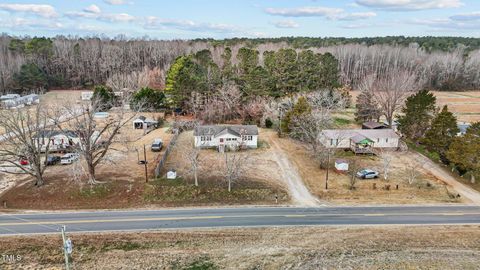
(440, 173)
(297, 189)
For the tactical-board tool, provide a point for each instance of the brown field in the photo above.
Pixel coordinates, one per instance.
(405, 247)
(465, 105)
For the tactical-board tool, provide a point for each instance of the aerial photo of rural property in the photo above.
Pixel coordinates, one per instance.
(240, 134)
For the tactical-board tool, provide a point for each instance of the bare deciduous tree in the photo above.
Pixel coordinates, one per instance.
(96, 136)
(27, 136)
(387, 157)
(390, 92)
(192, 154)
(412, 171)
(235, 165)
(353, 167)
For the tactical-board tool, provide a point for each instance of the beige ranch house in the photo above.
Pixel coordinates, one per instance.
(226, 136)
(360, 140)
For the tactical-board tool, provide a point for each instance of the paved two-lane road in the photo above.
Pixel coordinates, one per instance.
(95, 221)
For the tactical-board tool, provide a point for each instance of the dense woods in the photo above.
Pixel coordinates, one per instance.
(256, 65)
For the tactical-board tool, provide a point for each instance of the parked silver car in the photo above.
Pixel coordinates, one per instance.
(367, 174)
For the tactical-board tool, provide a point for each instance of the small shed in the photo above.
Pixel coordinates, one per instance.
(341, 165)
(171, 175)
(142, 123)
(87, 95)
(373, 125)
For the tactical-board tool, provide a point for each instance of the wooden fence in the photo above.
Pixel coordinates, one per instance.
(162, 160)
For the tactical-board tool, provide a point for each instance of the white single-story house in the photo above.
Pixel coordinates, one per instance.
(222, 136)
(144, 123)
(360, 140)
(60, 140)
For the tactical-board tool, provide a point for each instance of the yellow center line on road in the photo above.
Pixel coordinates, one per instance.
(108, 220)
(237, 216)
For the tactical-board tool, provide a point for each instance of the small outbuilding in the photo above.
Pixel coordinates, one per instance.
(373, 125)
(144, 123)
(171, 175)
(341, 165)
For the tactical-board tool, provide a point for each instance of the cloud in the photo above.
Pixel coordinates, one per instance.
(304, 12)
(408, 5)
(473, 16)
(153, 22)
(46, 11)
(108, 17)
(356, 16)
(92, 9)
(116, 2)
(117, 17)
(329, 13)
(23, 24)
(447, 24)
(356, 26)
(286, 24)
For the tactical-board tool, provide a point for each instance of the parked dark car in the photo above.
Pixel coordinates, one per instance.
(52, 160)
(157, 145)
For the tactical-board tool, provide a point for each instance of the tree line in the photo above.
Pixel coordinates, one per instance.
(34, 64)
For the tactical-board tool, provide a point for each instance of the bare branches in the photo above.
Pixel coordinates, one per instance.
(390, 92)
(234, 166)
(387, 158)
(412, 171)
(96, 136)
(27, 137)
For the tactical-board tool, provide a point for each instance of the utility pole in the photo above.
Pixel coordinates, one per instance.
(65, 252)
(145, 163)
(328, 165)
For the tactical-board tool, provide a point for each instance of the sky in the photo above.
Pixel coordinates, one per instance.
(188, 19)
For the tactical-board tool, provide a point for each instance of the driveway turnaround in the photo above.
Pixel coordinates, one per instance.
(144, 220)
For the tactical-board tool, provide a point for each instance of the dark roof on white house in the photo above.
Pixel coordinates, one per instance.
(53, 133)
(371, 134)
(236, 130)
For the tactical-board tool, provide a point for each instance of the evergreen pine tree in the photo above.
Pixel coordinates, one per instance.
(441, 133)
(418, 112)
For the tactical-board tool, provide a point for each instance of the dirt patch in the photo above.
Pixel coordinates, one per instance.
(439, 247)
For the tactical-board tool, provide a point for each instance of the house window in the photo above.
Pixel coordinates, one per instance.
(386, 140)
(247, 138)
(378, 140)
(331, 141)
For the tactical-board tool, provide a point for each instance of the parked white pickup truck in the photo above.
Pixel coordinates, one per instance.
(69, 158)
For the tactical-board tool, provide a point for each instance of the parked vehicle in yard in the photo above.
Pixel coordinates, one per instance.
(23, 161)
(52, 160)
(157, 145)
(68, 158)
(367, 174)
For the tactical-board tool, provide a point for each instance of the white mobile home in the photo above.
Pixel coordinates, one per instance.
(61, 140)
(12, 101)
(226, 136)
(360, 140)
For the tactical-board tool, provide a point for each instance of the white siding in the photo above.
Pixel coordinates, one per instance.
(228, 139)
